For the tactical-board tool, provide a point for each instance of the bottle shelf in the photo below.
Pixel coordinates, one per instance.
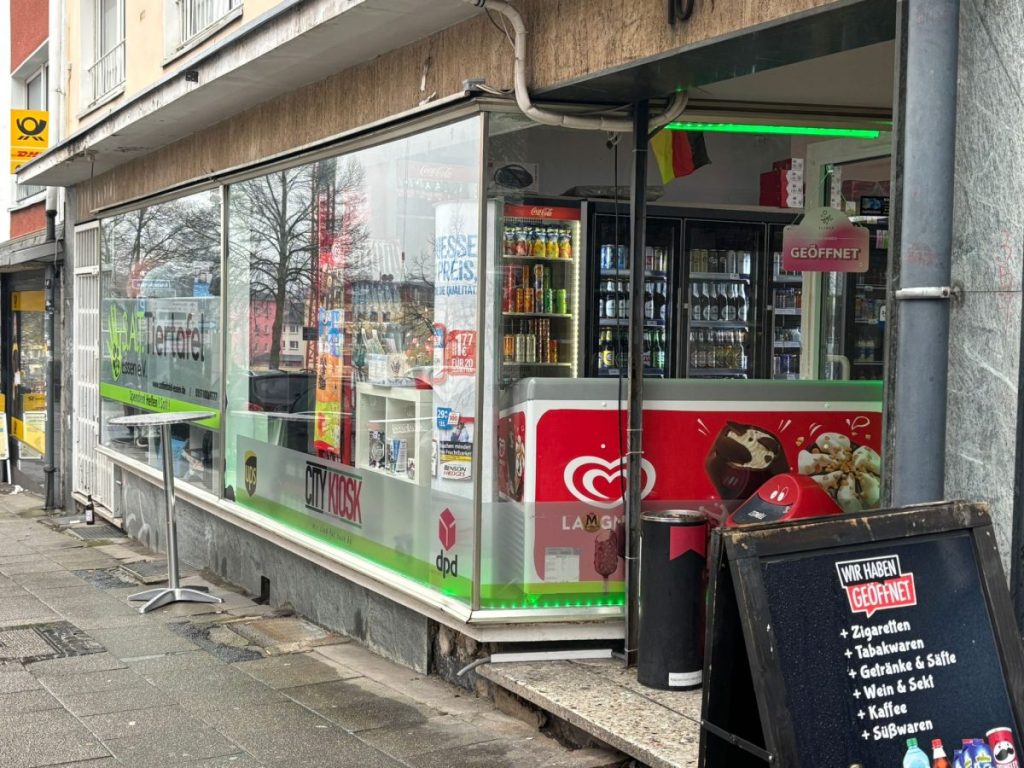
(533, 314)
(649, 373)
(625, 273)
(513, 363)
(787, 311)
(728, 277)
(717, 372)
(543, 259)
(719, 324)
(787, 345)
(615, 322)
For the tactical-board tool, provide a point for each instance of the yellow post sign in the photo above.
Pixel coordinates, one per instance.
(30, 135)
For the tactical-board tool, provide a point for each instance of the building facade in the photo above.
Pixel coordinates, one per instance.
(311, 220)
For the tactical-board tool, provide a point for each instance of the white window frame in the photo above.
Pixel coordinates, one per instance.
(189, 23)
(103, 79)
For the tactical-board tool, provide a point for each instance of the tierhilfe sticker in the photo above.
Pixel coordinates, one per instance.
(679, 679)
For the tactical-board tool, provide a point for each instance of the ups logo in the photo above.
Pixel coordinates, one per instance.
(250, 473)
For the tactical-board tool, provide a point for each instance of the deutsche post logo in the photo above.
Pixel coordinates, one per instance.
(250, 473)
(31, 128)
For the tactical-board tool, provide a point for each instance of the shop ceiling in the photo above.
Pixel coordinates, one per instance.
(834, 62)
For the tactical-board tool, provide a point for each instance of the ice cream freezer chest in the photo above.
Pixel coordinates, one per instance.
(706, 446)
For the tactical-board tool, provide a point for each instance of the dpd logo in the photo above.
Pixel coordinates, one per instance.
(446, 534)
(250, 473)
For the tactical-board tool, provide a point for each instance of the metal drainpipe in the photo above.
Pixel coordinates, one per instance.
(926, 124)
(635, 392)
(49, 435)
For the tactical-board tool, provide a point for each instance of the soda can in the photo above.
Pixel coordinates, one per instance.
(1004, 752)
(622, 256)
(520, 300)
(538, 277)
(561, 302)
(552, 350)
(527, 299)
(510, 348)
(606, 257)
(520, 348)
(549, 300)
(525, 281)
(547, 278)
(538, 299)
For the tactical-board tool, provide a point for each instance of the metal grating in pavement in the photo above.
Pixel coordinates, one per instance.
(147, 571)
(97, 531)
(59, 639)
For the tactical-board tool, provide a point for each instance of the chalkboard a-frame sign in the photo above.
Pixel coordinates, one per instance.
(832, 641)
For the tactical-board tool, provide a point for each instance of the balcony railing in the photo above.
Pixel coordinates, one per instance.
(107, 73)
(196, 16)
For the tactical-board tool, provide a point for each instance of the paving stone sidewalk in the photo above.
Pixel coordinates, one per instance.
(87, 681)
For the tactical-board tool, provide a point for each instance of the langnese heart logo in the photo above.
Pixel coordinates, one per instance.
(584, 472)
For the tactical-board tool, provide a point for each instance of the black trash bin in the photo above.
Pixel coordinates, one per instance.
(673, 551)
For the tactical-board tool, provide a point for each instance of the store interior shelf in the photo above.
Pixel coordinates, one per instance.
(544, 259)
(719, 324)
(787, 345)
(649, 373)
(720, 276)
(786, 311)
(511, 363)
(717, 371)
(534, 314)
(625, 273)
(622, 321)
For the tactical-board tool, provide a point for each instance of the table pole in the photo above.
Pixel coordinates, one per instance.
(172, 531)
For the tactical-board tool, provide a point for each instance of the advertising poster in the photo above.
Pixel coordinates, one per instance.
(163, 354)
(329, 372)
(569, 492)
(456, 244)
(414, 532)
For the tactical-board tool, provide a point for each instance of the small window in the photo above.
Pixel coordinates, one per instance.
(35, 97)
(107, 72)
(191, 21)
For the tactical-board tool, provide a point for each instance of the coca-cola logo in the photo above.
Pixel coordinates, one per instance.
(598, 482)
(437, 172)
(542, 213)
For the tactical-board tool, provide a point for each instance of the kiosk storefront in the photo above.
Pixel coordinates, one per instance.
(409, 347)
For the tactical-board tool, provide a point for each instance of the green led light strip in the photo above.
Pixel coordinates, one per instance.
(779, 130)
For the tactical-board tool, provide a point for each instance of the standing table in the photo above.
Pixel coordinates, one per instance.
(173, 592)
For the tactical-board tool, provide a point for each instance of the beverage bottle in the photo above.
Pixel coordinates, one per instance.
(607, 351)
(939, 759)
(661, 301)
(647, 349)
(701, 357)
(730, 262)
(692, 349)
(648, 301)
(723, 302)
(695, 309)
(915, 757)
(611, 300)
(623, 300)
(741, 303)
(660, 362)
(713, 302)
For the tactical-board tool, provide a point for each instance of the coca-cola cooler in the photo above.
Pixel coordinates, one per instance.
(561, 465)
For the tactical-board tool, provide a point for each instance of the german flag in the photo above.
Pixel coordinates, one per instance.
(679, 153)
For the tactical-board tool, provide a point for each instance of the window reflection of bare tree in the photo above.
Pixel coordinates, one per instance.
(178, 240)
(276, 212)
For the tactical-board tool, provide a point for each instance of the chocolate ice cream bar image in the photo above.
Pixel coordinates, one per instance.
(742, 458)
(606, 553)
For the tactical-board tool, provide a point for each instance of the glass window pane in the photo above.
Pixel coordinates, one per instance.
(109, 25)
(161, 329)
(352, 368)
(35, 91)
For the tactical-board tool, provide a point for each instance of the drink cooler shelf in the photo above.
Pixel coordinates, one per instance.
(534, 314)
(786, 311)
(787, 344)
(622, 322)
(649, 373)
(717, 371)
(729, 277)
(626, 273)
(513, 363)
(544, 259)
(725, 324)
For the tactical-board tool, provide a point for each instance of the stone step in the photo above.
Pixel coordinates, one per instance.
(658, 728)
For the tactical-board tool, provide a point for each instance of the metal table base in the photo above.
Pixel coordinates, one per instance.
(173, 592)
